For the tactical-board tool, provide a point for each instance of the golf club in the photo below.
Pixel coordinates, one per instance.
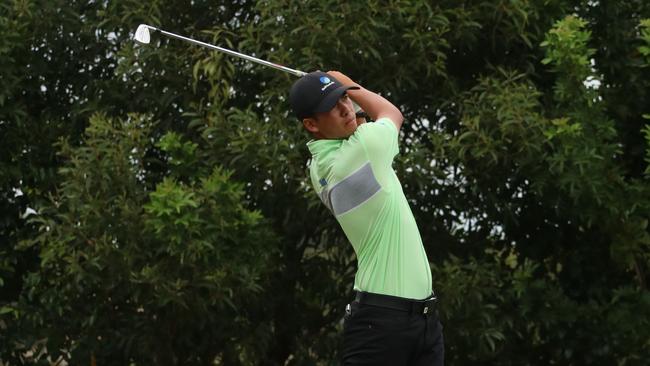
(143, 36)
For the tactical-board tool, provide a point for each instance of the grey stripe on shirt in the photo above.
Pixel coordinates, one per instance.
(353, 190)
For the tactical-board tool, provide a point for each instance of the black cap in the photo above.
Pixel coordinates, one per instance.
(314, 93)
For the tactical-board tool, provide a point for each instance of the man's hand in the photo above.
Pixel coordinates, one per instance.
(344, 79)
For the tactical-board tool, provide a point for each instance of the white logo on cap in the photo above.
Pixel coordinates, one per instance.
(327, 86)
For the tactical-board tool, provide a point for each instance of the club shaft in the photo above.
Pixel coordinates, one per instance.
(231, 52)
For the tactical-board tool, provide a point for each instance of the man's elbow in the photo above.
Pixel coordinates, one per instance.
(393, 114)
(397, 118)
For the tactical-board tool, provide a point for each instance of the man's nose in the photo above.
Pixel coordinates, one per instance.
(343, 107)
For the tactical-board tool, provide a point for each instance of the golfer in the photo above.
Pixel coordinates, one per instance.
(392, 319)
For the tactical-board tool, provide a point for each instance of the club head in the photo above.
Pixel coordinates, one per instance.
(142, 34)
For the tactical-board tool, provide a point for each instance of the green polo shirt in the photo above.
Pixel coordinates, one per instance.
(355, 179)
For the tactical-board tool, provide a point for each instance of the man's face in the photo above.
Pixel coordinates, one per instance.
(339, 122)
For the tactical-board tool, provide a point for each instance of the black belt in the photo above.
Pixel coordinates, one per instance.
(426, 306)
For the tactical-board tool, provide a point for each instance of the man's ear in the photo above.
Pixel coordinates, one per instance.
(310, 125)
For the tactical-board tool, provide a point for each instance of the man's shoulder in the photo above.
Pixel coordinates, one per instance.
(384, 125)
(377, 133)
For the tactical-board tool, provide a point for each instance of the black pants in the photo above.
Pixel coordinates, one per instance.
(376, 335)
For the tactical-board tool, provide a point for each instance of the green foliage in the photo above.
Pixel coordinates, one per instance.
(505, 296)
(568, 43)
(144, 274)
(646, 132)
(175, 224)
(645, 51)
(645, 37)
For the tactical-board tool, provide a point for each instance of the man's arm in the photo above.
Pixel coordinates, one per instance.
(373, 104)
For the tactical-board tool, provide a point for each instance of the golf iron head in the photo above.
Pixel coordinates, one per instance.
(142, 35)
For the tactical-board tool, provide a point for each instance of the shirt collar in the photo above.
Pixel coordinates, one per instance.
(323, 145)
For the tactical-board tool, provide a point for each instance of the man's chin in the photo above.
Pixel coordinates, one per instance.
(351, 131)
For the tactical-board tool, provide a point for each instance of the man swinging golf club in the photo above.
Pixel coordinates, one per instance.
(392, 320)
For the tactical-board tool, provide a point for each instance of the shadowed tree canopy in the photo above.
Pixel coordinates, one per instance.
(156, 207)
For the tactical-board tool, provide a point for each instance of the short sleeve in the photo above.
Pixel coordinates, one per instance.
(379, 140)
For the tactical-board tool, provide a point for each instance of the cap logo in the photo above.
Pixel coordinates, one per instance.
(327, 81)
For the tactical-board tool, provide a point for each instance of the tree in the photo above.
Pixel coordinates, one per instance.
(524, 156)
(132, 275)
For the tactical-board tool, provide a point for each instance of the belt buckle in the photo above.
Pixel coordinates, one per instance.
(429, 305)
